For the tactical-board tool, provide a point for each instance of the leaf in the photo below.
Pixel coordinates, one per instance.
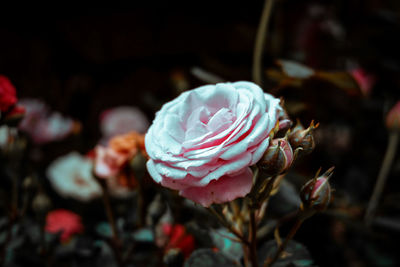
(295, 255)
(222, 239)
(341, 80)
(295, 70)
(294, 74)
(208, 258)
(103, 229)
(105, 255)
(144, 235)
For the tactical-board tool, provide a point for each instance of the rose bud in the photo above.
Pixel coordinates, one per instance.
(303, 139)
(316, 193)
(284, 122)
(277, 158)
(393, 117)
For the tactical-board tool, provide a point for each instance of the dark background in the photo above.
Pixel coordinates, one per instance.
(83, 59)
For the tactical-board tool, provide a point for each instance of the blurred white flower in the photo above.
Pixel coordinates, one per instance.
(121, 120)
(71, 176)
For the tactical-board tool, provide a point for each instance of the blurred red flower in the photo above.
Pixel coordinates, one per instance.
(64, 221)
(178, 238)
(8, 96)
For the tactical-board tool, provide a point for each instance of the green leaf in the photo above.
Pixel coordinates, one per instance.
(222, 239)
(209, 258)
(296, 255)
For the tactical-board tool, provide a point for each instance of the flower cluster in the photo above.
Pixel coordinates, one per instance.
(213, 144)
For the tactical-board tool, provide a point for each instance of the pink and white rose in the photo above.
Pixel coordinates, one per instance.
(203, 142)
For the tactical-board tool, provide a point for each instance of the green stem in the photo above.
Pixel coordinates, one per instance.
(253, 239)
(115, 242)
(109, 213)
(382, 177)
(260, 41)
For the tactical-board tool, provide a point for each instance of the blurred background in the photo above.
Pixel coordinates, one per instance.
(81, 60)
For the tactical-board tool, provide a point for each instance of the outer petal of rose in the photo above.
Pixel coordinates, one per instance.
(151, 168)
(225, 189)
(259, 151)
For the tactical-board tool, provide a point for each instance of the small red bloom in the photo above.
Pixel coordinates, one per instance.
(178, 238)
(64, 221)
(8, 96)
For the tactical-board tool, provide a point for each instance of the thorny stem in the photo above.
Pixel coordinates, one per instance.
(268, 228)
(268, 262)
(266, 191)
(303, 214)
(382, 177)
(260, 41)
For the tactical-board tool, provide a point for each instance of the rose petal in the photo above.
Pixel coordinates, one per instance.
(225, 189)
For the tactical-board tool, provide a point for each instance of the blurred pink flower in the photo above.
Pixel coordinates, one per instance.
(64, 221)
(71, 176)
(42, 125)
(203, 142)
(107, 162)
(121, 120)
(364, 80)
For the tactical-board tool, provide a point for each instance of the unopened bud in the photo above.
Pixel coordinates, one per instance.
(393, 118)
(277, 158)
(303, 139)
(317, 193)
(41, 203)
